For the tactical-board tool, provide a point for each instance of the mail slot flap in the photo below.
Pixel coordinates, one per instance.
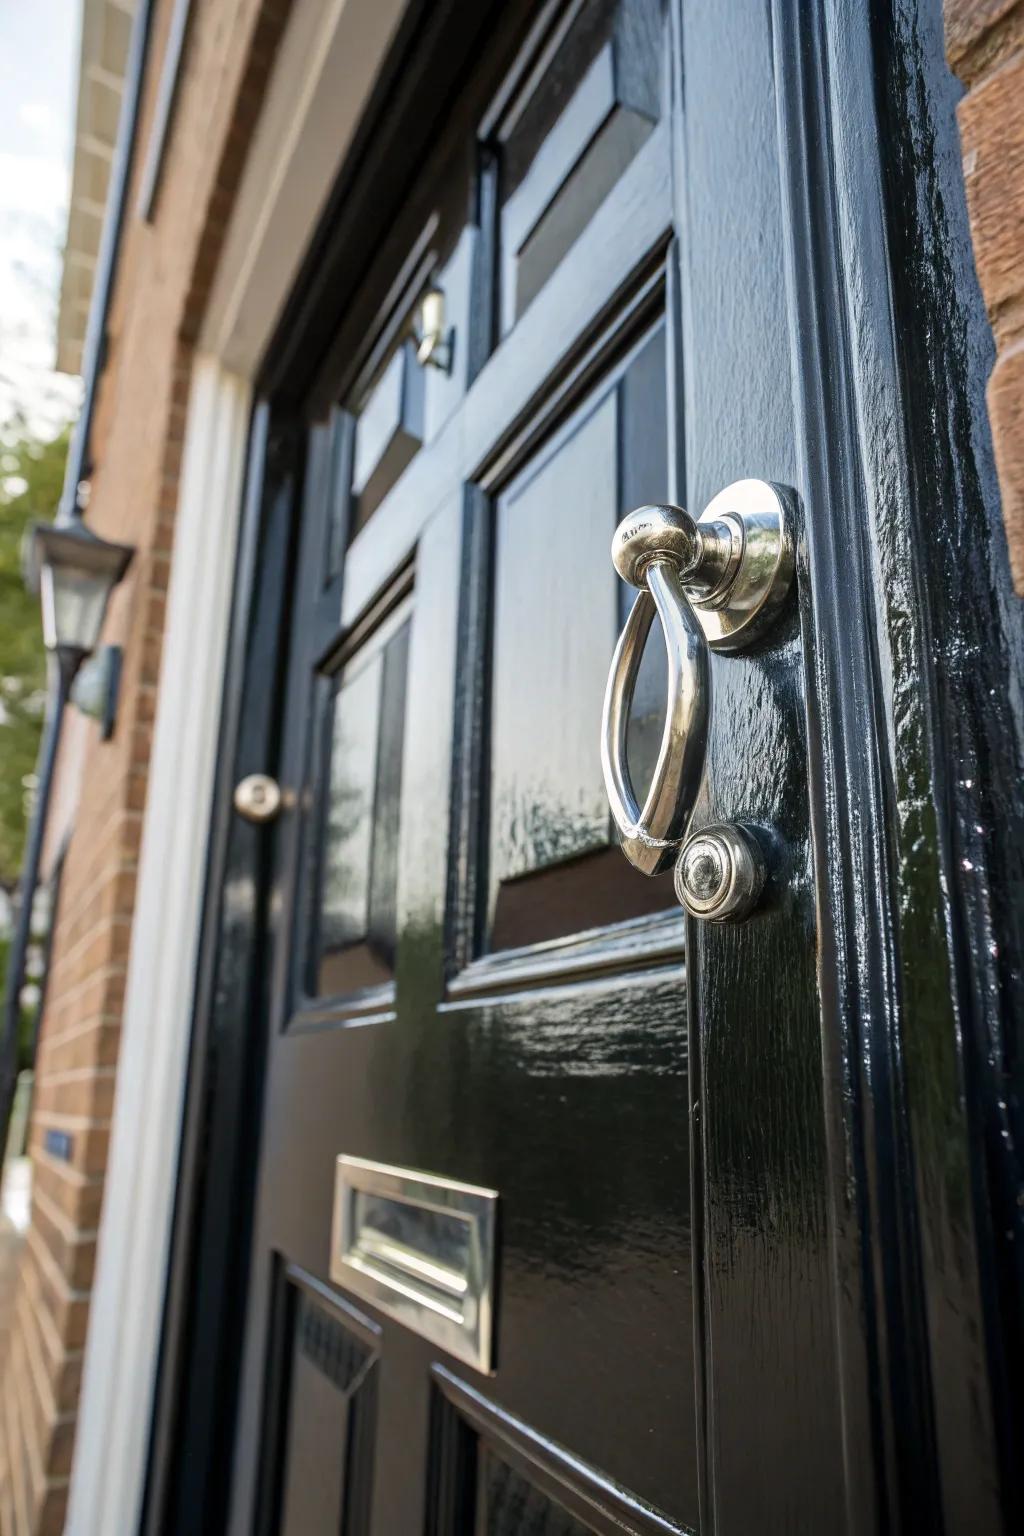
(422, 1249)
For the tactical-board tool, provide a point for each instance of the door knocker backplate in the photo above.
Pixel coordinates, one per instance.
(719, 583)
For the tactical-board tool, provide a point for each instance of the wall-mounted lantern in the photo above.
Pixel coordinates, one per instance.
(94, 691)
(77, 573)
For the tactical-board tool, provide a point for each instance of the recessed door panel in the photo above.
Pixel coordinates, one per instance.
(558, 608)
(551, 651)
(321, 1421)
(354, 931)
(570, 132)
(494, 1476)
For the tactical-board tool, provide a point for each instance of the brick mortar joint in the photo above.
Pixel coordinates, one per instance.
(69, 1231)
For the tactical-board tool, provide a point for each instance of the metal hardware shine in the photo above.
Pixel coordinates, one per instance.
(717, 582)
(422, 1249)
(720, 873)
(433, 341)
(257, 797)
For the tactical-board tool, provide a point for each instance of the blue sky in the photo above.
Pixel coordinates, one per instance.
(39, 43)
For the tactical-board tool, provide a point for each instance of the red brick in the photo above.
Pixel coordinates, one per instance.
(992, 132)
(985, 43)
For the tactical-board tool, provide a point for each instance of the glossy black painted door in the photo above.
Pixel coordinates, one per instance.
(470, 981)
(747, 1274)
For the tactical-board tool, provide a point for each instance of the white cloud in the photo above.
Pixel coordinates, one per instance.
(33, 220)
(38, 116)
(34, 184)
(38, 60)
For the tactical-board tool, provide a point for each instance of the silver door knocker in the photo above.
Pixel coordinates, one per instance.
(717, 582)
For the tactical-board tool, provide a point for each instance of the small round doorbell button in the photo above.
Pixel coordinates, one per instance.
(720, 873)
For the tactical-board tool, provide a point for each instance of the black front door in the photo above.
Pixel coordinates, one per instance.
(570, 1214)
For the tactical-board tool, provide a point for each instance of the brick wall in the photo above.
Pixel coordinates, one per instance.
(163, 281)
(985, 46)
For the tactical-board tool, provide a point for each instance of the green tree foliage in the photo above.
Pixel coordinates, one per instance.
(31, 477)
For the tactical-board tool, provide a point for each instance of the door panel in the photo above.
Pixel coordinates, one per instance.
(706, 1314)
(470, 980)
(491, 1475)
(547, 801)
(353, 934)
(318, 1465)
(558, 607)
(568, 134)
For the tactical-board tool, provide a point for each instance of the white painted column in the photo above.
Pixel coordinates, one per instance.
(115, 1409)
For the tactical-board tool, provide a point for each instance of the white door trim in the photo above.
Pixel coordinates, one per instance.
(128, 1293)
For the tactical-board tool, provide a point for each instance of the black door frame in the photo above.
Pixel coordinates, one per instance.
(915, 762)
(913, 653)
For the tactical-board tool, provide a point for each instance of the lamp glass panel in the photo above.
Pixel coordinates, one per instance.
(74, 602)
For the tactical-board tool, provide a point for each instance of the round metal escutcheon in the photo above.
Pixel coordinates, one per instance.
(739, 614)
(720, 874)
